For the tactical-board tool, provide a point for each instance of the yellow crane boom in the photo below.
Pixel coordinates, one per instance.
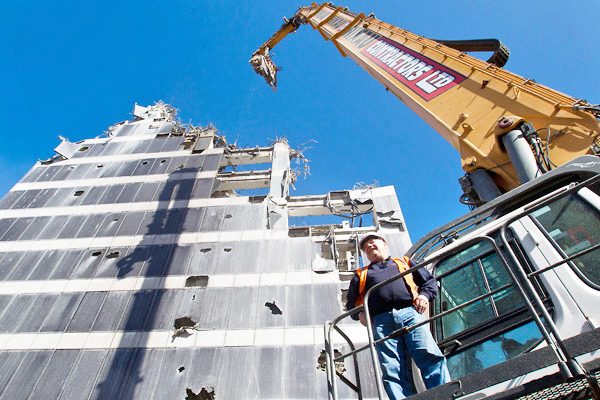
(472, 103)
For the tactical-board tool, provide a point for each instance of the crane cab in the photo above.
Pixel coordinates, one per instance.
(519, 288)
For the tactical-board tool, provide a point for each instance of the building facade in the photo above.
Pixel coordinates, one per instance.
(135, 266)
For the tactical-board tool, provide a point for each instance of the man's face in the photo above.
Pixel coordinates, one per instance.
(376, 250)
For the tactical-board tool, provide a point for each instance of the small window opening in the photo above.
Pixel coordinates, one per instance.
(78, 193)
(163, 161)
(196, 281)
(145, 163)
(96, 253)
(256, 199)
(100, 166)
(299, 231)
(205, 250)
(227, 249)
(227, 216)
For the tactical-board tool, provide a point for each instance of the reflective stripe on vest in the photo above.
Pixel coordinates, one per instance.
(402, 266)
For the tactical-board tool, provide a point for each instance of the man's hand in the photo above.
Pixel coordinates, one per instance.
(362, 318)
(421, 303)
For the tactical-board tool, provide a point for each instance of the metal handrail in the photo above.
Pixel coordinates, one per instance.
(567, 365)
(331, 325)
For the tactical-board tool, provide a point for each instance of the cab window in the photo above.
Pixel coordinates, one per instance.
(574, 225)
(488, 331)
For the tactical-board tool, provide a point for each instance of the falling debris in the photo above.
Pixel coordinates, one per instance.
(202, 395)
(322, 362)
(273, 307)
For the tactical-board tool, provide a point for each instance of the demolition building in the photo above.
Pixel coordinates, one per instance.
(157, 262)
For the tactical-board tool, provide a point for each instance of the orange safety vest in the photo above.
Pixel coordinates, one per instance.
(402, 266)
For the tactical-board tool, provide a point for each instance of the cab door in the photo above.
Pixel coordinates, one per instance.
(484, 332)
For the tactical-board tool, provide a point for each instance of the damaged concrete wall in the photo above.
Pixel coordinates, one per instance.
(123, 276)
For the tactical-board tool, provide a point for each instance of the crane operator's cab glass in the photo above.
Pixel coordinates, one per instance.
(484, 332)
(572, 224)
(493, 325)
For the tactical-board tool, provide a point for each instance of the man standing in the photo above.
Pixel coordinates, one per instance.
(393, 306)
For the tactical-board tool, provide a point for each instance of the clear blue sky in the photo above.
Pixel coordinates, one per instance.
(73, 68)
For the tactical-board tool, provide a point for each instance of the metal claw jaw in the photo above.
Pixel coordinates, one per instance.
(264, 66)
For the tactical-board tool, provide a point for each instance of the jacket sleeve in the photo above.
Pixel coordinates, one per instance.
(425, 281)
(352, 295)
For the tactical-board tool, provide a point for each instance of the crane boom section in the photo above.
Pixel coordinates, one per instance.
(460, 96)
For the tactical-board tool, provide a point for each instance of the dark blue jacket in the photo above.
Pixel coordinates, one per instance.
(393, 295)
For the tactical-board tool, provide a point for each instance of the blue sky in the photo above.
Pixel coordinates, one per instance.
(74, 68)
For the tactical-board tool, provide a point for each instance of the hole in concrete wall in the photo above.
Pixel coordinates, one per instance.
(163, 161)
(100, 166)
(299, 231)
(72, 167)
(322, 362)
(257, 193)
(256, 199)
(193, 297)
(196, 281)
(84, 148)
(227, 249)
(181, 369)
(275, 310)
(337, 220)
(204, 394)
(205, 250)
(181, 328)
(78, 193)
(184, 322)
(114, 254)
(227, 216)
(344, 299)
(96, 253)
(145, 163)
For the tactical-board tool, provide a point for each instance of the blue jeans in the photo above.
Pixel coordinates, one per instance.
(418, 343)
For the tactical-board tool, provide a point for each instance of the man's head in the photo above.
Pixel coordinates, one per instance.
(375, 247)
